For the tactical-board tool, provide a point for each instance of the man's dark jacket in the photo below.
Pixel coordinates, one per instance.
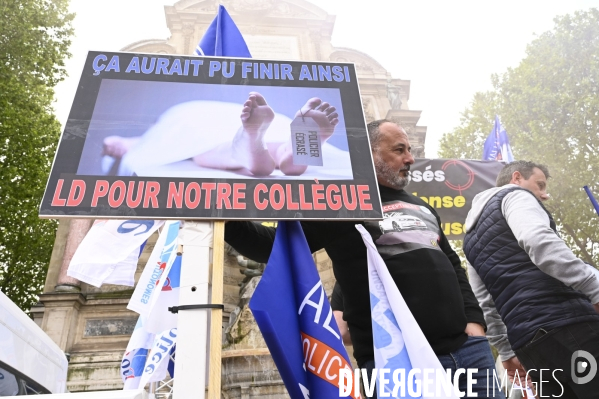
(428, 273)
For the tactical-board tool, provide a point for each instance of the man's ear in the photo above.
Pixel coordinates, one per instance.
(516, 178)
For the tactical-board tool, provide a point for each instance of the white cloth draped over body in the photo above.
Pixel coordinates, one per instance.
(192, 128)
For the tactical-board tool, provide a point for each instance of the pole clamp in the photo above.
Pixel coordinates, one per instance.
(176, 309)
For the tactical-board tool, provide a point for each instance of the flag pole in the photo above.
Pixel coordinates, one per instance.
(592, 198)
(216, 315)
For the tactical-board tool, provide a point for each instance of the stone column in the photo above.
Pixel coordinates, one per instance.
(188, 31)
(315, 38)
(61, 316)
(77, 231)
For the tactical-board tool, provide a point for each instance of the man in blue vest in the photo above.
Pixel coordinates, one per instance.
(541, 302)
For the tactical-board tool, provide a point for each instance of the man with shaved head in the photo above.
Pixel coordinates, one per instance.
(427, 272)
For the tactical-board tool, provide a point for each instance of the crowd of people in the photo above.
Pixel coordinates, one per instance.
(525, 292)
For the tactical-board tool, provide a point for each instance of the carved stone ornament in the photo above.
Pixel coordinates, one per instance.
(397, 121)
(285, 10)
(394, 95)
(188, 29)
(364, 67)
(340, 59)
(282, 9)
(251, 6)
(205, 6)
(367, 106)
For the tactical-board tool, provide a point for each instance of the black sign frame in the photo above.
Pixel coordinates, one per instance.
(72, 194)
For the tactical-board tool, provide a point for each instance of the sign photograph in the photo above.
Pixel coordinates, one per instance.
(154, 136)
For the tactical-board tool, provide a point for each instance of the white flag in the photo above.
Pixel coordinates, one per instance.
(134, 359)
(109, 252)
(161, 259)
(398, 340)
(158, 287)
(159, 357)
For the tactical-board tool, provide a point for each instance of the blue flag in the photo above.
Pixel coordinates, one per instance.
(497, 146)
(223, 38)
(296, 320)
(592, 198)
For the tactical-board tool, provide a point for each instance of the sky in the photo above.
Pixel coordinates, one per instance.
(447, 49)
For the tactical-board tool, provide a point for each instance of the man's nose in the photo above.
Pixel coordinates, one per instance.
(544, 196)
(410, 159)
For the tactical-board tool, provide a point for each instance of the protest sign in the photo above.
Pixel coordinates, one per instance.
(157, 136)
(449, 186)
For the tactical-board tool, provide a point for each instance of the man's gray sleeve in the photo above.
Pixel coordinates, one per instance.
(530, 225)
(496, 330)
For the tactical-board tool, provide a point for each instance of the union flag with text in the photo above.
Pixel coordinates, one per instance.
(296, 320)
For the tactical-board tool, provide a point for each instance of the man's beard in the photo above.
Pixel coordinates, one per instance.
(393, 178)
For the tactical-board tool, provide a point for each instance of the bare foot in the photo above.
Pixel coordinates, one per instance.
(256, 115)
(323, 114)
(117, 146)
(248, 146)
(325, 117)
